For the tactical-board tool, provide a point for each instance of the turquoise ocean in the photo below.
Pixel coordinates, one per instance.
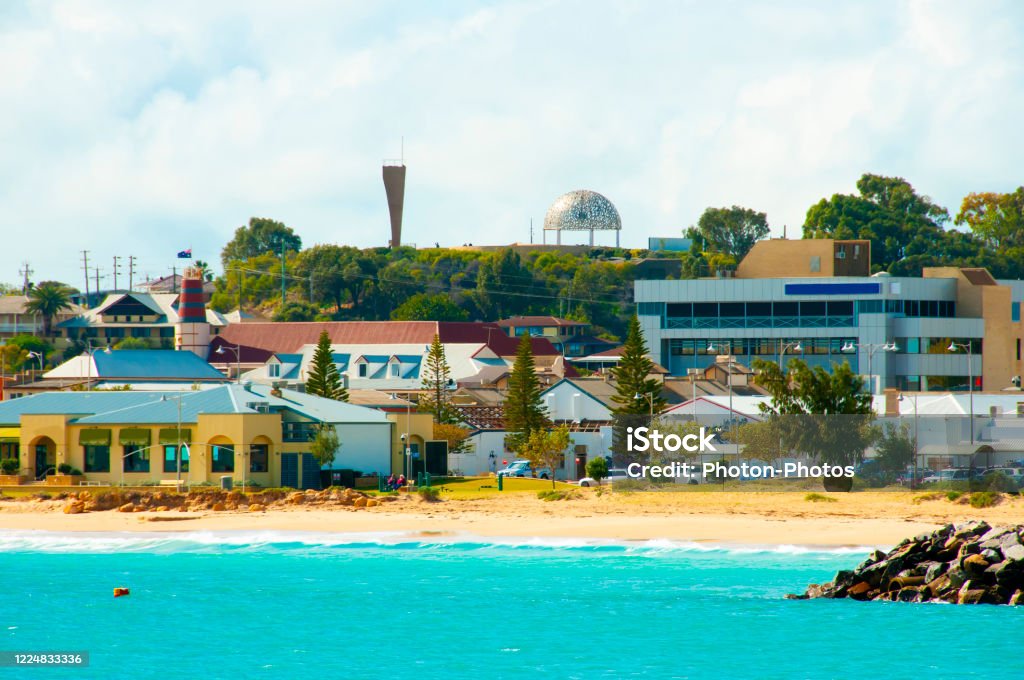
(303, 605)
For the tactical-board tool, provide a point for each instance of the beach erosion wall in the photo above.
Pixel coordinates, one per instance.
(970, 563)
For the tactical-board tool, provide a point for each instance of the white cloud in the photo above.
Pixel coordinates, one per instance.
(141, 129)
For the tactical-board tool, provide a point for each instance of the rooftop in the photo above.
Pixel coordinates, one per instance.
(117, 407)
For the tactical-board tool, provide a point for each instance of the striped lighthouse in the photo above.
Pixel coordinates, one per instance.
(192, 334)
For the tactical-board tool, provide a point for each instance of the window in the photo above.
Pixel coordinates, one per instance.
(259, 456)
(394, 369)
(222, 458)
(1015, 311)
(136, 458)
(97, 458)
(362, 370)
(705, 310)
(171, 461)
(869, 306)
(274, 370)
(815, 263)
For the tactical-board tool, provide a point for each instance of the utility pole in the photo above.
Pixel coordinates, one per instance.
(174, 279)
(117, 259)
(25, 272)
(85, 266)
(310, 286)
(98, 280)
(282, 273)
(131, 271)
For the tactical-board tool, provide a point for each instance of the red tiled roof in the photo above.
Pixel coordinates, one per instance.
(290, 337)
(613, 352)
(518, 321)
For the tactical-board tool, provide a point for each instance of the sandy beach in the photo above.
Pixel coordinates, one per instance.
(860, 519)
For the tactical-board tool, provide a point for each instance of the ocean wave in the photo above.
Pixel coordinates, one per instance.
(14, 541)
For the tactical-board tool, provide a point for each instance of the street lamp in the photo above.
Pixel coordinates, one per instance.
(39, 356)
(237, 349)
(649, 396)
(91, 351)
(871, 348)
(913, 480)
(795, 346)
(966, 346)
(177, 449)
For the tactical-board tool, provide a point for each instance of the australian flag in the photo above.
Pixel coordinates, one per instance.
(185, 254)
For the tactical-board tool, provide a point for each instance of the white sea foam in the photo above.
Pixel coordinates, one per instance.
(237, 541)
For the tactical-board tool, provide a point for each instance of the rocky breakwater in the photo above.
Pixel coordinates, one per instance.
(971, 563)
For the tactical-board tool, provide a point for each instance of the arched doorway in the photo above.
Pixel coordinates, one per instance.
(42, 456)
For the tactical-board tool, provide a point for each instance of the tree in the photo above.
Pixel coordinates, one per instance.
(207, 271)
(133, 343)
(325, 444)
(323, 379)
(47, 300)
(825, 415)
(524, 412)
(597, 468)
(732, 231)
(12, 358)
(888, 212)
(457, 437)
(296, 311)
(895, 448)
(997, 219)
(761, 440)
(635, 392)
(425, 307)
(436, 380)
(31, 343)
(259, 237)
(545, 448)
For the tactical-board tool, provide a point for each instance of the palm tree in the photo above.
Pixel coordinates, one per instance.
(47, 300)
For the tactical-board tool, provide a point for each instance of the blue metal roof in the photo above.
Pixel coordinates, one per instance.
(154, 363)
(127, 408)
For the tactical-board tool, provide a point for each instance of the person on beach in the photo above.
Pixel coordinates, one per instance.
(391, 483)
(401, 482)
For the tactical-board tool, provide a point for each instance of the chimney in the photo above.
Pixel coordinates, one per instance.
(892, 402)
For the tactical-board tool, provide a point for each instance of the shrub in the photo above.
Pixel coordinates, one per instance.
(597, 468)
(953, 495)
(75, 472)
(558, 494)
(985, 499)
(997, 481)
(10, 466)
(819, 498)
(429, 494)
(64, 469)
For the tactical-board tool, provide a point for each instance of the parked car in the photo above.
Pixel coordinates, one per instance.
(522, 468)
(948, 475)
(614, 474)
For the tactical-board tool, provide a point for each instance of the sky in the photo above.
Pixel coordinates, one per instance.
(143, 128)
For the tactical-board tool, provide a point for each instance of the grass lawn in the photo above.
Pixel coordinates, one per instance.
(472, 488)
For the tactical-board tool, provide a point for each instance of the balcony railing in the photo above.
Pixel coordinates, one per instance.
(759, 322)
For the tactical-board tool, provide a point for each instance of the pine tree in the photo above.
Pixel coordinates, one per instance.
(436, 378)
(524, 412)
(636, 394)
(323, 379)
